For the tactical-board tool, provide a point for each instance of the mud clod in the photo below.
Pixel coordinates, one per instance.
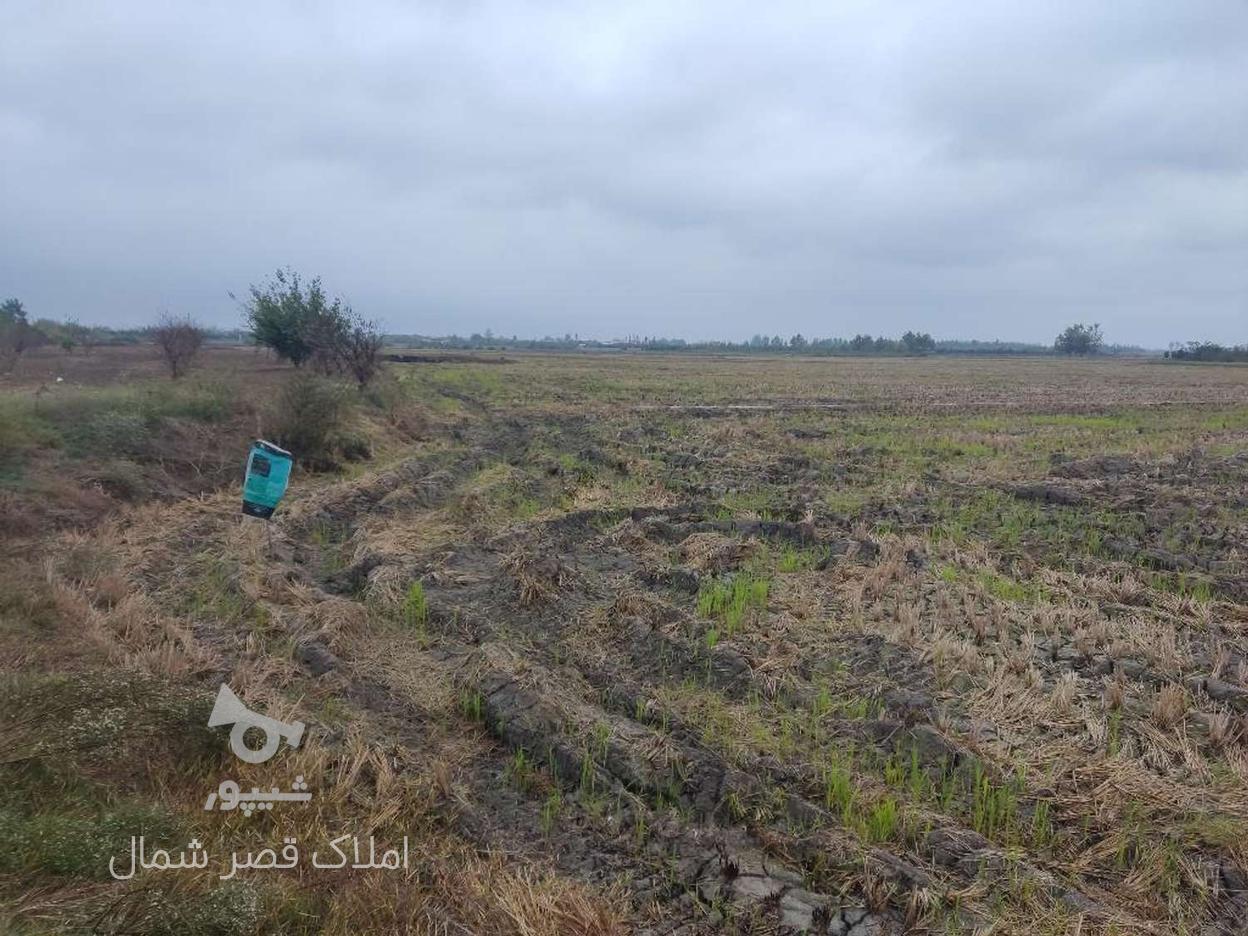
(316, 657)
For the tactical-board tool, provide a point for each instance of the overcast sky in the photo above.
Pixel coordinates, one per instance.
(973, 169)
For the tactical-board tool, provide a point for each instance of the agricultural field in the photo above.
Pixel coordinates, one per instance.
(638, 644)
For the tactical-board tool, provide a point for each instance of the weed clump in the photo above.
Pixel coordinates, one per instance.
(232, 907)
(99, 721)
(521, 771)
(551, 810)
(80, 846)
(994, 807)
(415, 610)
(728, 600)
(472, 704)
(1169, 706)
(884, 821)
(839, 791)
(800, 560)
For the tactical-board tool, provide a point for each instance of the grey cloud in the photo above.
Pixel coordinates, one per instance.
(968, 168)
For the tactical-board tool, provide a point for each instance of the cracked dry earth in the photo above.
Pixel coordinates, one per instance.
(800, 672)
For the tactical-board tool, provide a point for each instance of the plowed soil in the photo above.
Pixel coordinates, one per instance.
(682, 645)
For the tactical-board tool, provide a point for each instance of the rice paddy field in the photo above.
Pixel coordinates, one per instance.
(639, 644)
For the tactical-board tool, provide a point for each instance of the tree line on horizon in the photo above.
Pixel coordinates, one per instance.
(1208, 351)
(1077, 339)
(298, 322)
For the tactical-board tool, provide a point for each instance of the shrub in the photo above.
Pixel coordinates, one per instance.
(308, 417)
(387, 394)
(179, 340)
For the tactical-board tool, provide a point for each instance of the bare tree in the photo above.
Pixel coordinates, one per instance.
(179, 339)
(79, 336)
(359, 349)
(326, 335)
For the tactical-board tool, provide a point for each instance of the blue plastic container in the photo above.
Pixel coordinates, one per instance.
(268, 473)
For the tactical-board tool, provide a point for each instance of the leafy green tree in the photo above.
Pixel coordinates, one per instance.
(303, 325)
(1079, 339)
(297, 321)
(16, 334)
(12, 311)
